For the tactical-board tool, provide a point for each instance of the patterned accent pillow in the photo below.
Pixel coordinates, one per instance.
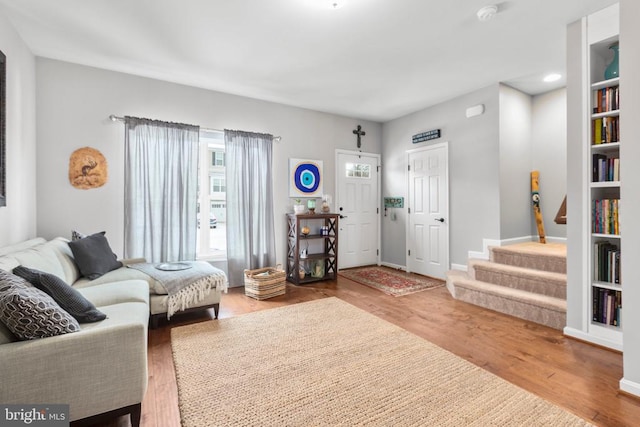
(76, 235)
(29, 313)
(66, 296)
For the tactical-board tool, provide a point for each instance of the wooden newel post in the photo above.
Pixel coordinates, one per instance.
(535, 198)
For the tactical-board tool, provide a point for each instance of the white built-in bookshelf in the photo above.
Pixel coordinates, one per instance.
(594, 262)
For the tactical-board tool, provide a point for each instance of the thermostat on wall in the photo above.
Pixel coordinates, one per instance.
(476, 110)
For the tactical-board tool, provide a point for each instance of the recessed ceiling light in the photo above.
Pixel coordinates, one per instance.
(487, 12)
(553, 77)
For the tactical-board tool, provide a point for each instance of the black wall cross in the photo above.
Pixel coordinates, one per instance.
(360, 133)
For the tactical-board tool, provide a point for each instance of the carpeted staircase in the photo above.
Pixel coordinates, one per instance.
(526, 280)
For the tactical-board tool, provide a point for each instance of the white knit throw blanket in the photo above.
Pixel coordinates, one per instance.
(186, 287)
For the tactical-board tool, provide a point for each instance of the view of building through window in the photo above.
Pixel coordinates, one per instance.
(212, 197)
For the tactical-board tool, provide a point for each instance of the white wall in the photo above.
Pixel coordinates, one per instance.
(473, 172)
(74, 103)
(490, 161)
(630, 225)
(18, 218)
(549, 156)
(515, 163)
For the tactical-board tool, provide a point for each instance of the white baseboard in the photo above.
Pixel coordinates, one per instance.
(396, 266)
(583, 336)
(459, 267)
(504, 242)
(485, 249)
(630, 387)
(552, 239)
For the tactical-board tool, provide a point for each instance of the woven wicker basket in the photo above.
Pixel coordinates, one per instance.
(264, 283)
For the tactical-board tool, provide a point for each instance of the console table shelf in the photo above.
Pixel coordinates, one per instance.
(320, 261)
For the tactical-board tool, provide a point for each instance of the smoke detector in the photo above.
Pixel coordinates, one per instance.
(488, 12)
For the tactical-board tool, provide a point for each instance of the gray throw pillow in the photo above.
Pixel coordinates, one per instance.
(94, 256)
(29, 313)
(66, 296)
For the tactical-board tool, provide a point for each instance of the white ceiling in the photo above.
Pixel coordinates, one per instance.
(371, 59)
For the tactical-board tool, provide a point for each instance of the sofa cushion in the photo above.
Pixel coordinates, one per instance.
(120, 274)
(8, 263)
(53, 257)
(20, 246)
(94, 256)
(6, 335)
(117, 293)
(30, 313)
(68, 298)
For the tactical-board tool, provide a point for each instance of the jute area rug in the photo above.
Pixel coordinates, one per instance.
(328, 363)
(390, 281)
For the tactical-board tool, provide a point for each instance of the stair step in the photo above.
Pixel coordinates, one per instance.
(538, 256)
(536, 308)
(536, 281)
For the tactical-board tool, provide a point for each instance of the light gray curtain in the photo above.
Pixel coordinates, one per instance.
(250, 230)
(161, 185)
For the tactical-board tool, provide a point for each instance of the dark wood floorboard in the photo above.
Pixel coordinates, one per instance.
(577, 376)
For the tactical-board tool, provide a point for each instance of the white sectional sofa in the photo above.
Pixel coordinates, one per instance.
(101, 370)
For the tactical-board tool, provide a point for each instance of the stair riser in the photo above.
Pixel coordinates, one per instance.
(544, 263)
(552, 288)
(541, 315)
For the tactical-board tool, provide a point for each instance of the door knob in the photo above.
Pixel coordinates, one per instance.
(343, 216)
(440, 219)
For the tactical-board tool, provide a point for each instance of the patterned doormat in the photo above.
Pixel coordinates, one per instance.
(390, 281)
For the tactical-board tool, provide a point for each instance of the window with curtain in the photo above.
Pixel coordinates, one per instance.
(250, 225)
(161, 182)
(212, 194)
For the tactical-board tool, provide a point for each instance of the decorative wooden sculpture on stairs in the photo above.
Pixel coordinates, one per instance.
(535, 197)
(561, 216)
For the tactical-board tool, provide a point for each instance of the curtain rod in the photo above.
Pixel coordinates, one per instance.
(115, 118)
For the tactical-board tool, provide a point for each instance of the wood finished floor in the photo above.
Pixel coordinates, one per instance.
(574, 375)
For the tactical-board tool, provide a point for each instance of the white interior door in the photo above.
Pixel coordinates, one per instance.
(428, 211)
(357, 201)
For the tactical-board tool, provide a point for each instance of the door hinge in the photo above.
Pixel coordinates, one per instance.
(378, 168)
(377, 251)
(408, 210)
(377, 210)
(408, 167)
(409, 252)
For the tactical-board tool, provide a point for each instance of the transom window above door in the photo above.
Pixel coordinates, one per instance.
(358, 170)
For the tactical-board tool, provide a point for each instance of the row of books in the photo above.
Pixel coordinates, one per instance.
(606, 262)
(605, 168)
(606, 99)
(605, 216)
(605, 130)
(607, 306)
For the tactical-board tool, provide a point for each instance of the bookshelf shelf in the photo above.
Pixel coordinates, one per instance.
(605, 236)
(613, 113)
(607, 285)
(610, 146)
(605, 83)
(606, 184)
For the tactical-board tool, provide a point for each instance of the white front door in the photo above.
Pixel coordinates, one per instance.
(428, 211)
(357, 202)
